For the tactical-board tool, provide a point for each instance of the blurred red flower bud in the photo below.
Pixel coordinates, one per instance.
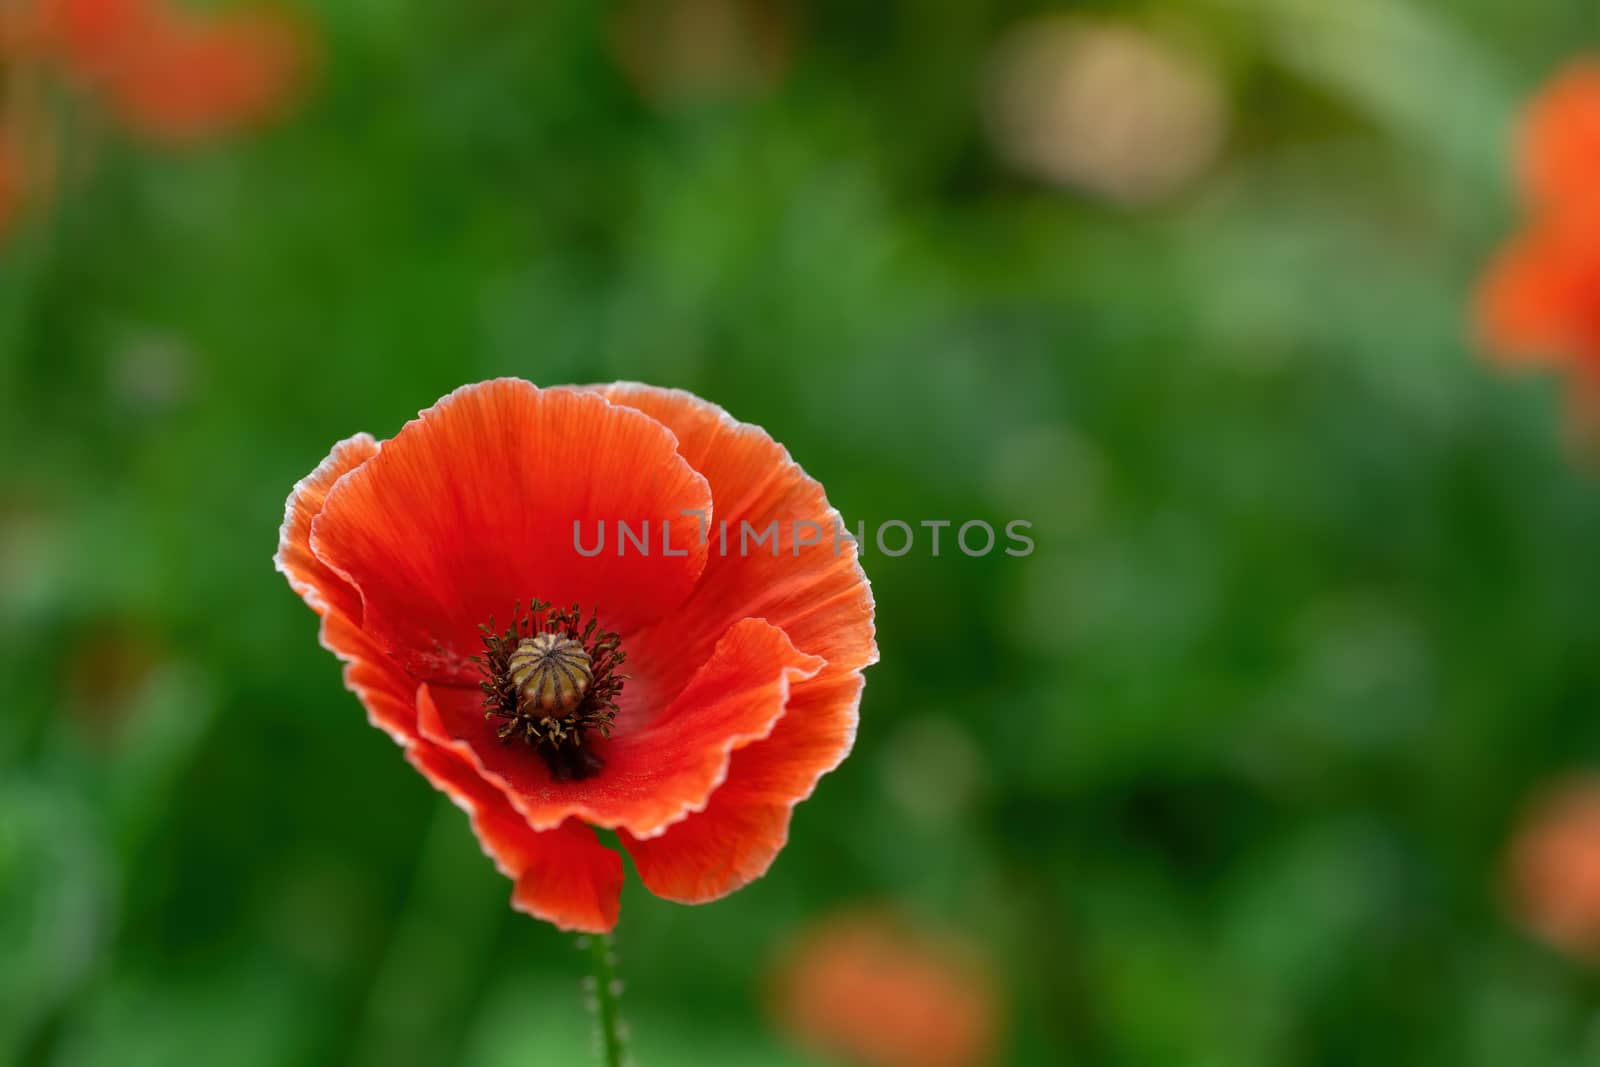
(1555, 868)
(173, 76)
(1539, 301)
(871, 989)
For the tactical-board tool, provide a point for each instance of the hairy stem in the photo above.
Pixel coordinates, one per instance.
(604, 990)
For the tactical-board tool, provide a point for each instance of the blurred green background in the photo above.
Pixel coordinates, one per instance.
(1222, 774)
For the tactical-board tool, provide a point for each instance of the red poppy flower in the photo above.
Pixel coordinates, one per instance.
(166, 75)
(171, 75)
(1555, 868)
(871, 989)
(1540, 301)
(688, 698)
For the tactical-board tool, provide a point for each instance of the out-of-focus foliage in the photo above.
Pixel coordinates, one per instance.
(1223, 774)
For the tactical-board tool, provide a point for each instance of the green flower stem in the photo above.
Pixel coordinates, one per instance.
(604, 991)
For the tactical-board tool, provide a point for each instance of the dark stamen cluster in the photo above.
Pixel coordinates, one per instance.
(562, 736)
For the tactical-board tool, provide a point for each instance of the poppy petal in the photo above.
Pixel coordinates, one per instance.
(563, 876)
(659, 768)
(1561, 143)
(320, 587)
(479, 503)
(1531, 307)
(816, 593)
(734, 841)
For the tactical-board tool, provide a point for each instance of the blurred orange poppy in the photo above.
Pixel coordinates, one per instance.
(433, 560)
(1555, 868)
(1560, 146)
(1540, 299)
(167, 75)
(171, 75)
(872, 990)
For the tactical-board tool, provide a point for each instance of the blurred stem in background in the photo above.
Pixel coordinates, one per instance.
(424, 987)
(435, 960)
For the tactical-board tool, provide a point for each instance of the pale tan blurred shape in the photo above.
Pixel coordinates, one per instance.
(870, 989)
(1106, 108)
(678, 51)
(1555, 867)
